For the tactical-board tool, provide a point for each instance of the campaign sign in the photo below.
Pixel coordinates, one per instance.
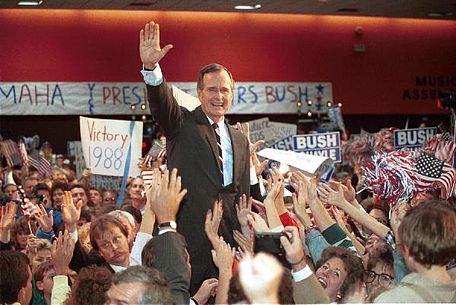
(111, 147)
(284, 144)
(320, 144)
(412, 139)
(75, 150)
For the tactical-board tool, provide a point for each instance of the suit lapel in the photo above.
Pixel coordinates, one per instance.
(236, 143)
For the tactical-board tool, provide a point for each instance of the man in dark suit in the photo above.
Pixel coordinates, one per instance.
(213, 161)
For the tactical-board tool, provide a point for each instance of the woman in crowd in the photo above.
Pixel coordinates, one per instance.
(340, 272)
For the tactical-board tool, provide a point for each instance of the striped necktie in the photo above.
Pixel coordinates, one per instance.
(219, 145)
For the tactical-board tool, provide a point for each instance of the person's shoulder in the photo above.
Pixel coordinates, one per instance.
(398, 294)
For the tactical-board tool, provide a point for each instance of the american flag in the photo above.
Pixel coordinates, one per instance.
(398, 175)
(150, 176)
(11, 153)
(42, 166)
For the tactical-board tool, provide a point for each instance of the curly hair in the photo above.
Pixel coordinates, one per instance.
(91, 286)
(353, 265)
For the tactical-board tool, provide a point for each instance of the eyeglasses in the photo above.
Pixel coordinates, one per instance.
(383, 278)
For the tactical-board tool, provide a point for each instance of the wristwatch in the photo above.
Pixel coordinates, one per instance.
(169, 224)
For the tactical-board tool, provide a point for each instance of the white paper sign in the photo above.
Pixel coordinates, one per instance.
(311, 164)
(184, 99)
(270, 132)
(75, 149)
(106, 145)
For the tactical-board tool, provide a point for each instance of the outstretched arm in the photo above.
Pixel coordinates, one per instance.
(162, 104)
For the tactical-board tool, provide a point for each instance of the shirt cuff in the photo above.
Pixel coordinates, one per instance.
(74, 235)
(253, 176)
(160, 232)
(302, 274)
(154, 77)
(278, 229)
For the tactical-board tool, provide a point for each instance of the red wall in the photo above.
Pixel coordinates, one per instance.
(82, 45)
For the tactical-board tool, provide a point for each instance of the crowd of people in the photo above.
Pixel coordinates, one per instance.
(192, 233)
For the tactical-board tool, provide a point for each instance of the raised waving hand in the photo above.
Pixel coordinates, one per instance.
(149, 45)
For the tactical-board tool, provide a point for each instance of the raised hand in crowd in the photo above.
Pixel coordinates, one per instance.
(336, 197)
(257, 222)
(70, 212)
(260, 278)
(259, 166)
(245, 243)
(243, 208)
(148, 221)
(321, 216)
(62, 252)
(208, 289)
(259, 206)
(223, 258)
(149, 45)
(294, 252)
(165, 203)
(212, 223)
(44, 219)
(274, 203)
(349, 191)
(397, 215)
(7, 220)
(300, 205)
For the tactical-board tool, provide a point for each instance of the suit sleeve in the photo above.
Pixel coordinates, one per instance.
(309, 291)
(164, 108)
(172, 261)
(80, 258)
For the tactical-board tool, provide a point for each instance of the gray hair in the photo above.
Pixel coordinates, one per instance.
(119, 214)
(155, 288)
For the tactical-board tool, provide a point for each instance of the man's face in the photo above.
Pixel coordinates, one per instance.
(113, 246)
(136, 188)
(11, 190)
(216, 95)
(124, 293)
(25, 294)
(109, 198)
(28, 186)
(57, 198)
(95, 197)
(39, 257)
(47, 283)
(78, 193)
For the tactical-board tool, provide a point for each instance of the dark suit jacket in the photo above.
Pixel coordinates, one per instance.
(171, 260)
(192, 149)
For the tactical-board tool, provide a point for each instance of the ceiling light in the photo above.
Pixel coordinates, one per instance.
(435, 14)
(248, 7)
(30, 2)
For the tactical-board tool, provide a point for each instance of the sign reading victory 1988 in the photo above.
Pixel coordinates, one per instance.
(111, 147)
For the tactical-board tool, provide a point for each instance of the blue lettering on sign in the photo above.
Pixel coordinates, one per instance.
(90, 101)
(322, 144)
(57, 93)
(11, 90)
(246, 95)
(412, 139)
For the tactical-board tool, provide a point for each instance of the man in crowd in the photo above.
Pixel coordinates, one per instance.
(428, 239)
(211, 156)
(15, 278)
